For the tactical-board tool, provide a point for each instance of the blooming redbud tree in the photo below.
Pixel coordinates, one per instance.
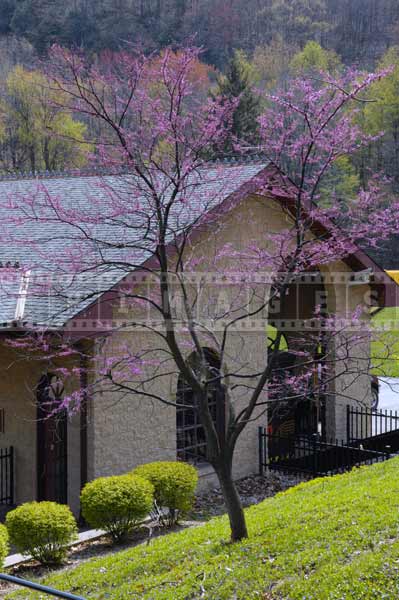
(157, 209)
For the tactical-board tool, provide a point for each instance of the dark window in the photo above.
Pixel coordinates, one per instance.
(191, 440)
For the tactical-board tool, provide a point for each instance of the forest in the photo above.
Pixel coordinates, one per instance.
(358, 30)
(247, 45)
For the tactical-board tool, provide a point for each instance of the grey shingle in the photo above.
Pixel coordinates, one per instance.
(67, 257)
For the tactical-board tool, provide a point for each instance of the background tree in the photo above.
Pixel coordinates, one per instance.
(382, 115)
(298, 20)
(271, 62)
(237, 85)
(36, 133)
(313, 59)
(7, 11)
(360, 30)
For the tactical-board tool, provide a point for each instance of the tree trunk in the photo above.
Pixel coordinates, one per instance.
(232, 500)
(32, 158)
(46, 154)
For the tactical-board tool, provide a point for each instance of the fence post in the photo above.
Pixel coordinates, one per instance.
(11, 475)
(314, 448)
(260, 449)
(388, 452)
(348, 427)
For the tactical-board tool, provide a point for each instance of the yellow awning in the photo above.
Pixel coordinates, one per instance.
(393, 275)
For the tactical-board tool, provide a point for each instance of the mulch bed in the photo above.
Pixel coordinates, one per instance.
(252, 490)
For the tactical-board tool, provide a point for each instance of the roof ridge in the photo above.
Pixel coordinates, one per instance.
(237, 159)
(22, 175)
(223, 159)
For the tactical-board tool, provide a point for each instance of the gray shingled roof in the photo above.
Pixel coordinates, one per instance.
(57, 278)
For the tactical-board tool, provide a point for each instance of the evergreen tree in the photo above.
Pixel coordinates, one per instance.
(238, 83)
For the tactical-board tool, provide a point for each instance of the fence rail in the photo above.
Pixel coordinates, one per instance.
(310, 456)
(7, 475)
(38, 587)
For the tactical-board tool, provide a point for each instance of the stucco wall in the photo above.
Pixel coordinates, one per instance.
(350, 348)
(353, 385)
(18, 379)
(131, 429)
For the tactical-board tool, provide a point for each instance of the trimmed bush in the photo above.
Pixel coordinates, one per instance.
(4, 547)
(116, 504)
(174, 485)
(42, 529)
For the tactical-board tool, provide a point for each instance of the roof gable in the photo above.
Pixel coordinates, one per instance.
(50, 249)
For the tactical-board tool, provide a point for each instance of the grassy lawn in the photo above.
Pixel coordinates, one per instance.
(385, 351)
(332, 538)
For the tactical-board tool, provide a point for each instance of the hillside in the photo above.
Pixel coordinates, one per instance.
(328, 539)
(358, 30)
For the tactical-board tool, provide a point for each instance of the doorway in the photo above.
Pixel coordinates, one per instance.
(52, 433)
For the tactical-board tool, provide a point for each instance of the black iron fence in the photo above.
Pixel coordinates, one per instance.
(310, 456)
(7, 475)
(373, 429)
(364, 422)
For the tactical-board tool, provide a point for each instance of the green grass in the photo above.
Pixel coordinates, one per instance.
(385, 349)
(333, 538)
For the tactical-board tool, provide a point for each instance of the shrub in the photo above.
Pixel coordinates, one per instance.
(116, 504)
(42, 529)
(174, 486)
(4, 547)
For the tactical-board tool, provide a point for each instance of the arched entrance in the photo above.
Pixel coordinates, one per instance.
(52, 433)
(304, 350)
(190, 434)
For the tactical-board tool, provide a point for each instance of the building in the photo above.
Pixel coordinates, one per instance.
(112, 433)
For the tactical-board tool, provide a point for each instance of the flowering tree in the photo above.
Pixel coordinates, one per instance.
(150, 214)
